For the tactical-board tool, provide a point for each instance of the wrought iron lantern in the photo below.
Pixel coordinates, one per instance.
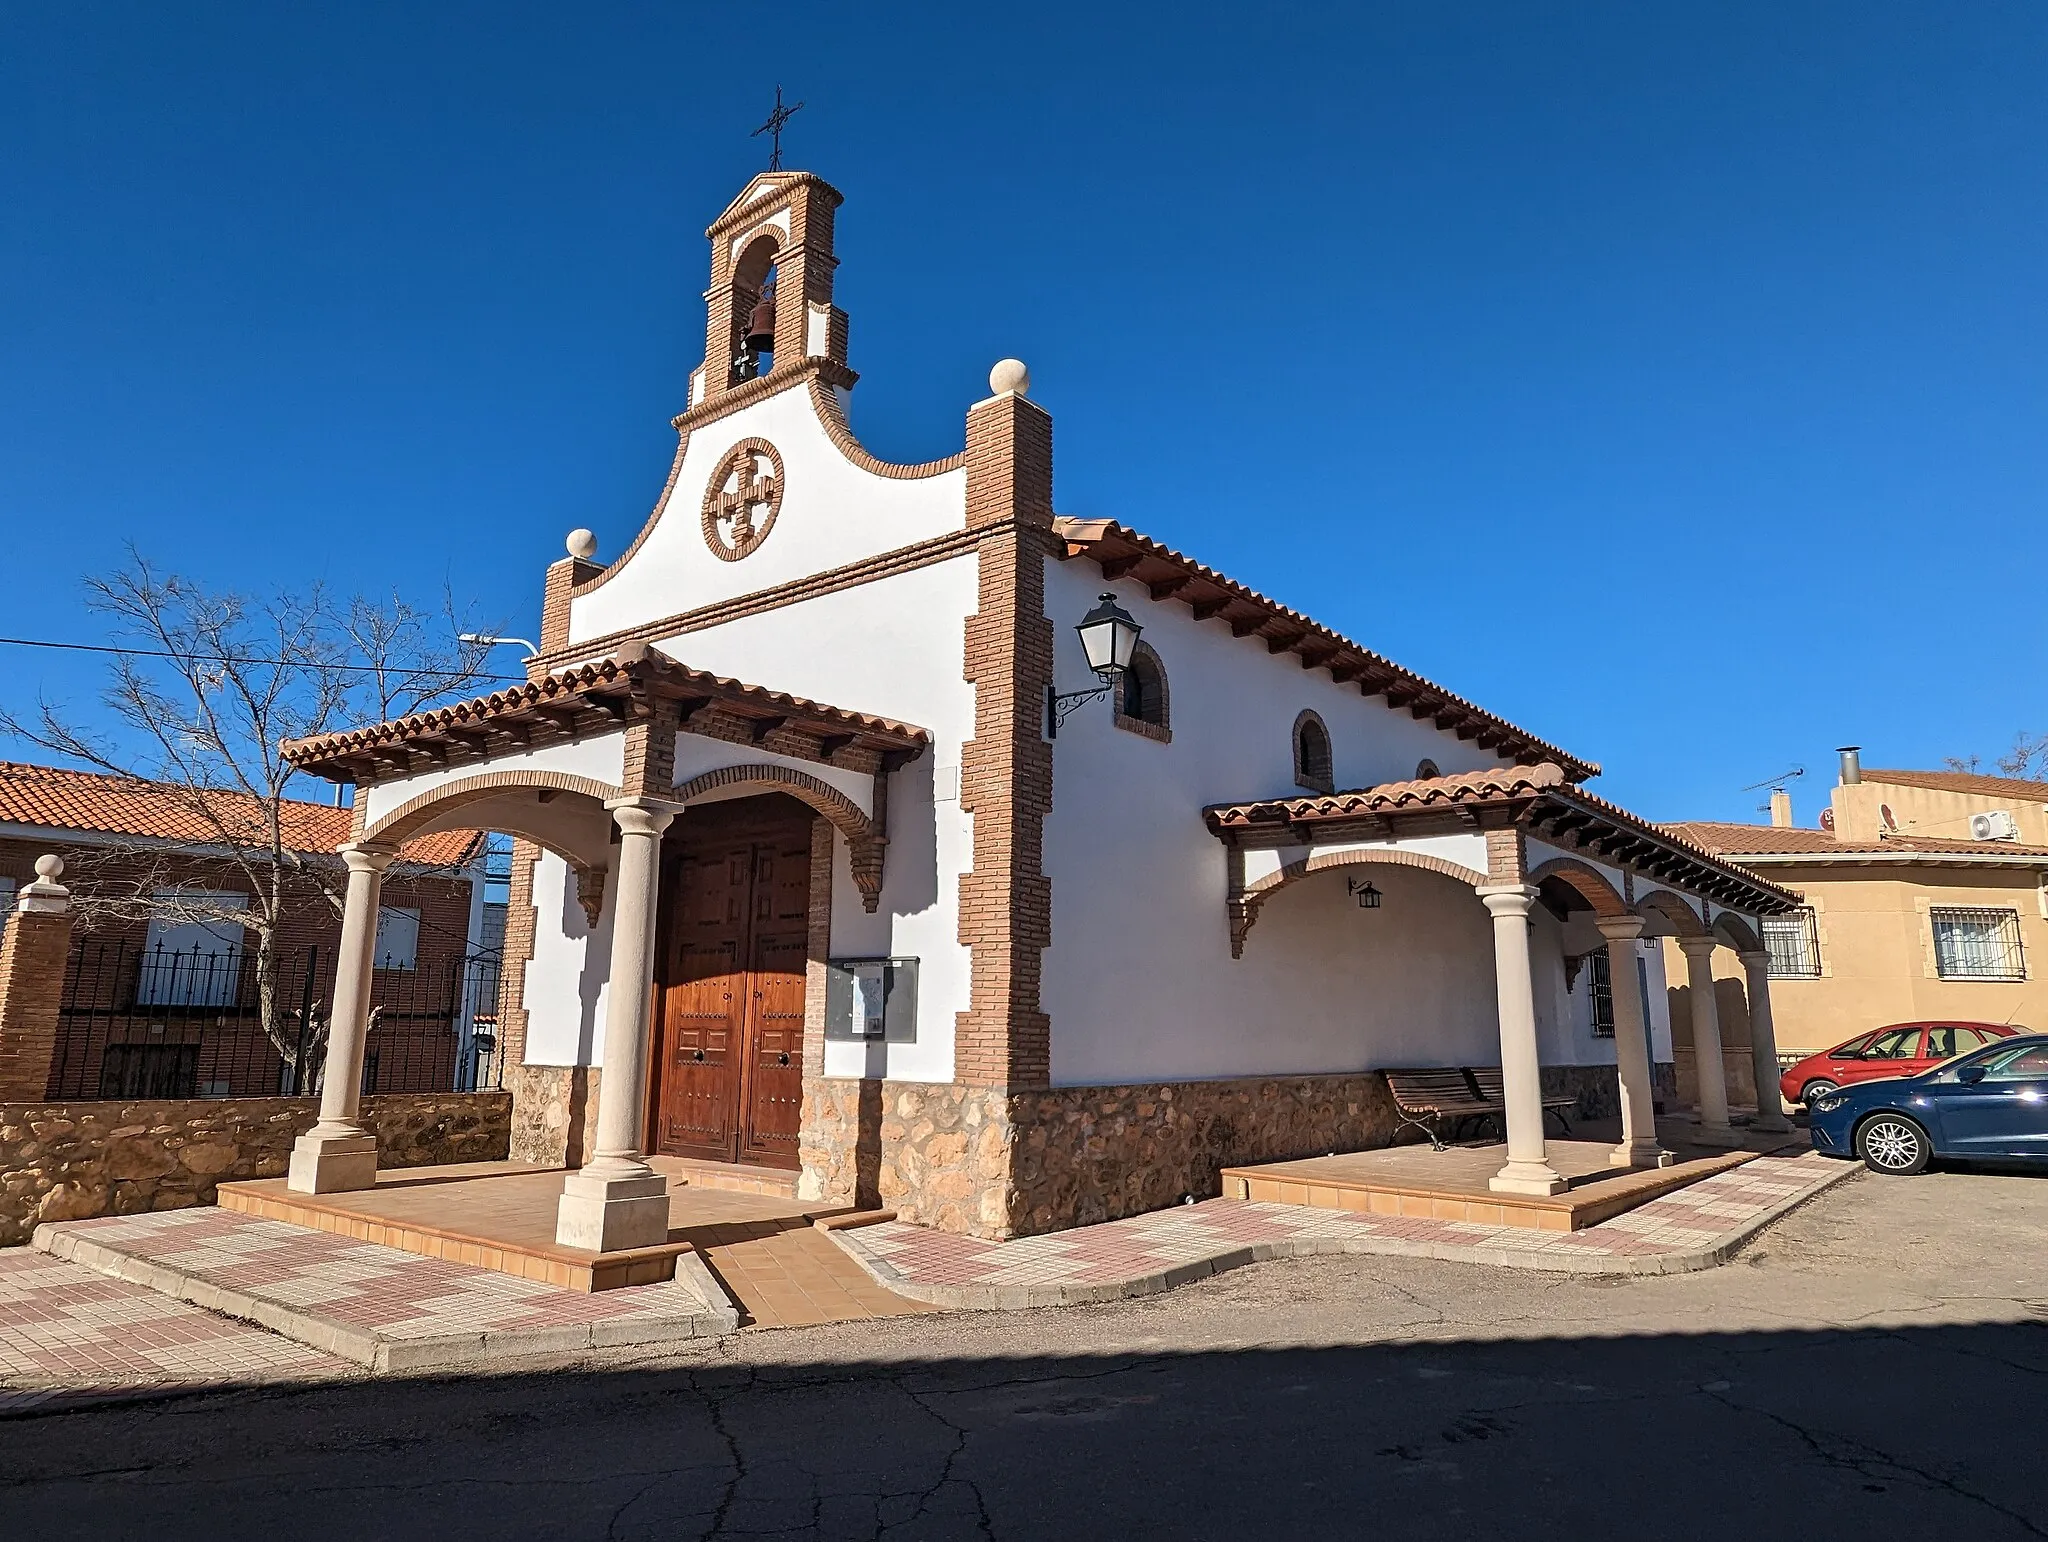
(1109, 641)
(1368, 896)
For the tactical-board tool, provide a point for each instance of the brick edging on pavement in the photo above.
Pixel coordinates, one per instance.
(708, 1313)
(1016, 1297)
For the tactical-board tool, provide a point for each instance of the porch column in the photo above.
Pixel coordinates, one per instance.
(1707, 1068)
(616, 1200)
(1528, 1169)
(1763, 1045)
(1638, 1146)
(338, 1153)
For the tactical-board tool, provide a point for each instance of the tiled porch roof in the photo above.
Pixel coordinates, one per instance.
(1123, 553)
(1539, 798)
(595, 697)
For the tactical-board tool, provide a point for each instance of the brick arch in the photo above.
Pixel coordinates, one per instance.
(1737, 933)
(1663, 903)
(1587, 881)
(413, 816)
(866, 838)
(1244, 909)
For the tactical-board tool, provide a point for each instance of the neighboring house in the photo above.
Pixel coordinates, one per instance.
(895, 920)
(160, 992)
(1924, 897)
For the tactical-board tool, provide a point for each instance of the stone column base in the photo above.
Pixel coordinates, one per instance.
(608, 1215)
(1641, 1153)
(1526, 1178)
(1718, 1135)
(333, 1164)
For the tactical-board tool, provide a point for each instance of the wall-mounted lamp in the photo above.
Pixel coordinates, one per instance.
(1368, 896)
(1109, 641)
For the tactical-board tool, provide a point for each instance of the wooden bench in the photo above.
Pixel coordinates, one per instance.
(1486, 1081)
(1426, 1098)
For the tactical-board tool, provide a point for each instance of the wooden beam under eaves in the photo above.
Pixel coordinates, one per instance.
(1167, 588)
(1116, 567)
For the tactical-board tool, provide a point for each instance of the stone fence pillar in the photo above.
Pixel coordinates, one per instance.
(33, 955)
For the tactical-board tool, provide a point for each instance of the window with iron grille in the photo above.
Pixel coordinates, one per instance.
(1600, 987)
(1793, 942)
(1977, 943)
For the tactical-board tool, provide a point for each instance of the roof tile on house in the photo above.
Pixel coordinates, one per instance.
(1738, 840)
(90, 802)
(1964, 781)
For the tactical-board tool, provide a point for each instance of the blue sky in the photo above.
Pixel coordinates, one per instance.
(1668, 378)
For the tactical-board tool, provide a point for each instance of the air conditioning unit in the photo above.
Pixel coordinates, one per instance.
(1998, 825)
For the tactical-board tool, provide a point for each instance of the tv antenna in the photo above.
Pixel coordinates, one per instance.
(1776, 781)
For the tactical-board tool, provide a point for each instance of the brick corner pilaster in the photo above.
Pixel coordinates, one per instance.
(33, 955)
(563, 579)
(1004, 1039)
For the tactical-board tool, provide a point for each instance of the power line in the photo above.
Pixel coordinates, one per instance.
(224, 658)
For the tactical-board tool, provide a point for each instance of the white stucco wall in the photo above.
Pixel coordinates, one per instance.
(566, 981)
(891, 648)
(1139, 982)
(833, 513)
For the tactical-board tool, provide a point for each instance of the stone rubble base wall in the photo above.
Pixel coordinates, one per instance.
(74, 1161)
(995, 1162)
(554, 1113)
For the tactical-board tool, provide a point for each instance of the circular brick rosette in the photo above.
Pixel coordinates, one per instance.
(742, 500)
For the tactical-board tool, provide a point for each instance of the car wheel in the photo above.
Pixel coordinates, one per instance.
(1814, 1091)
(1893, 1144)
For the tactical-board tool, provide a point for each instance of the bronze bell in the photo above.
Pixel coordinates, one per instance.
(761, 328)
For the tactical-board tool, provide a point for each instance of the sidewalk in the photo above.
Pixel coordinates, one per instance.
(1694, 1228)
(376, 1306)
(69, 1334)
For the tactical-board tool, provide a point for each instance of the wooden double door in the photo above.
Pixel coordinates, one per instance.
(729, 984)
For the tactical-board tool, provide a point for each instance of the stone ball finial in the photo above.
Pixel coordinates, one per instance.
(49, 867)
(582, 544)
(1010, 375)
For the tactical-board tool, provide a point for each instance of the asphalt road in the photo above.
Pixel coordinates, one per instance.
(1875, 1366)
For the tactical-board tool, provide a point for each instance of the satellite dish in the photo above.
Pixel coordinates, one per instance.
(1827, 819)
(1884, 812)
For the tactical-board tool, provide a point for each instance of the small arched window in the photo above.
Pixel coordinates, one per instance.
(1142, 703)
(1313, 766)
(1426, 770)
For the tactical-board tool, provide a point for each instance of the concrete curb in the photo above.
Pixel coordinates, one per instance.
(703, 1311)
(1016, 1297)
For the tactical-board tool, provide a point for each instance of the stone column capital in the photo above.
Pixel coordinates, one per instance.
(1755, 960)
(368, 856)
(641, 816)
(1698, 947)
(1619, 928)
(1507, 899)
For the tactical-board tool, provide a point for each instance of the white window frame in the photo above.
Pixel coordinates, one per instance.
(397, 947)
(1987, 955)
(161, 981)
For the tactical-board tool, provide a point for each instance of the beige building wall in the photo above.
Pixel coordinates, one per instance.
(1928, 812)
(1877, 963)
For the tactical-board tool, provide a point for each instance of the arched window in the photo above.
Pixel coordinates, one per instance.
(1142, 704)
(1426, 770)
(1313, 767)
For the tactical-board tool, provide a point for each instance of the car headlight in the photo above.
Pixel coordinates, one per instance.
(1828, 1105)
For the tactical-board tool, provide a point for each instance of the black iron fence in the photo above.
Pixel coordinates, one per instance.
(143, 1022)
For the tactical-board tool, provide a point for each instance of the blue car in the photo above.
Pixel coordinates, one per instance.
(1990, 1105)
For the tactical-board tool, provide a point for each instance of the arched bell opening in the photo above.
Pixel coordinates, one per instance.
(753, 309)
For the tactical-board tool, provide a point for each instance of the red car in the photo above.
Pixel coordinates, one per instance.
(1903, 1049)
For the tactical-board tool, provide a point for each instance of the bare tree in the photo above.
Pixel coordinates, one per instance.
(216, 682)
(2026, 761)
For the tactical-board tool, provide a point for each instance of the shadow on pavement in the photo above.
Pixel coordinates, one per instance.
(1934, 1433)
